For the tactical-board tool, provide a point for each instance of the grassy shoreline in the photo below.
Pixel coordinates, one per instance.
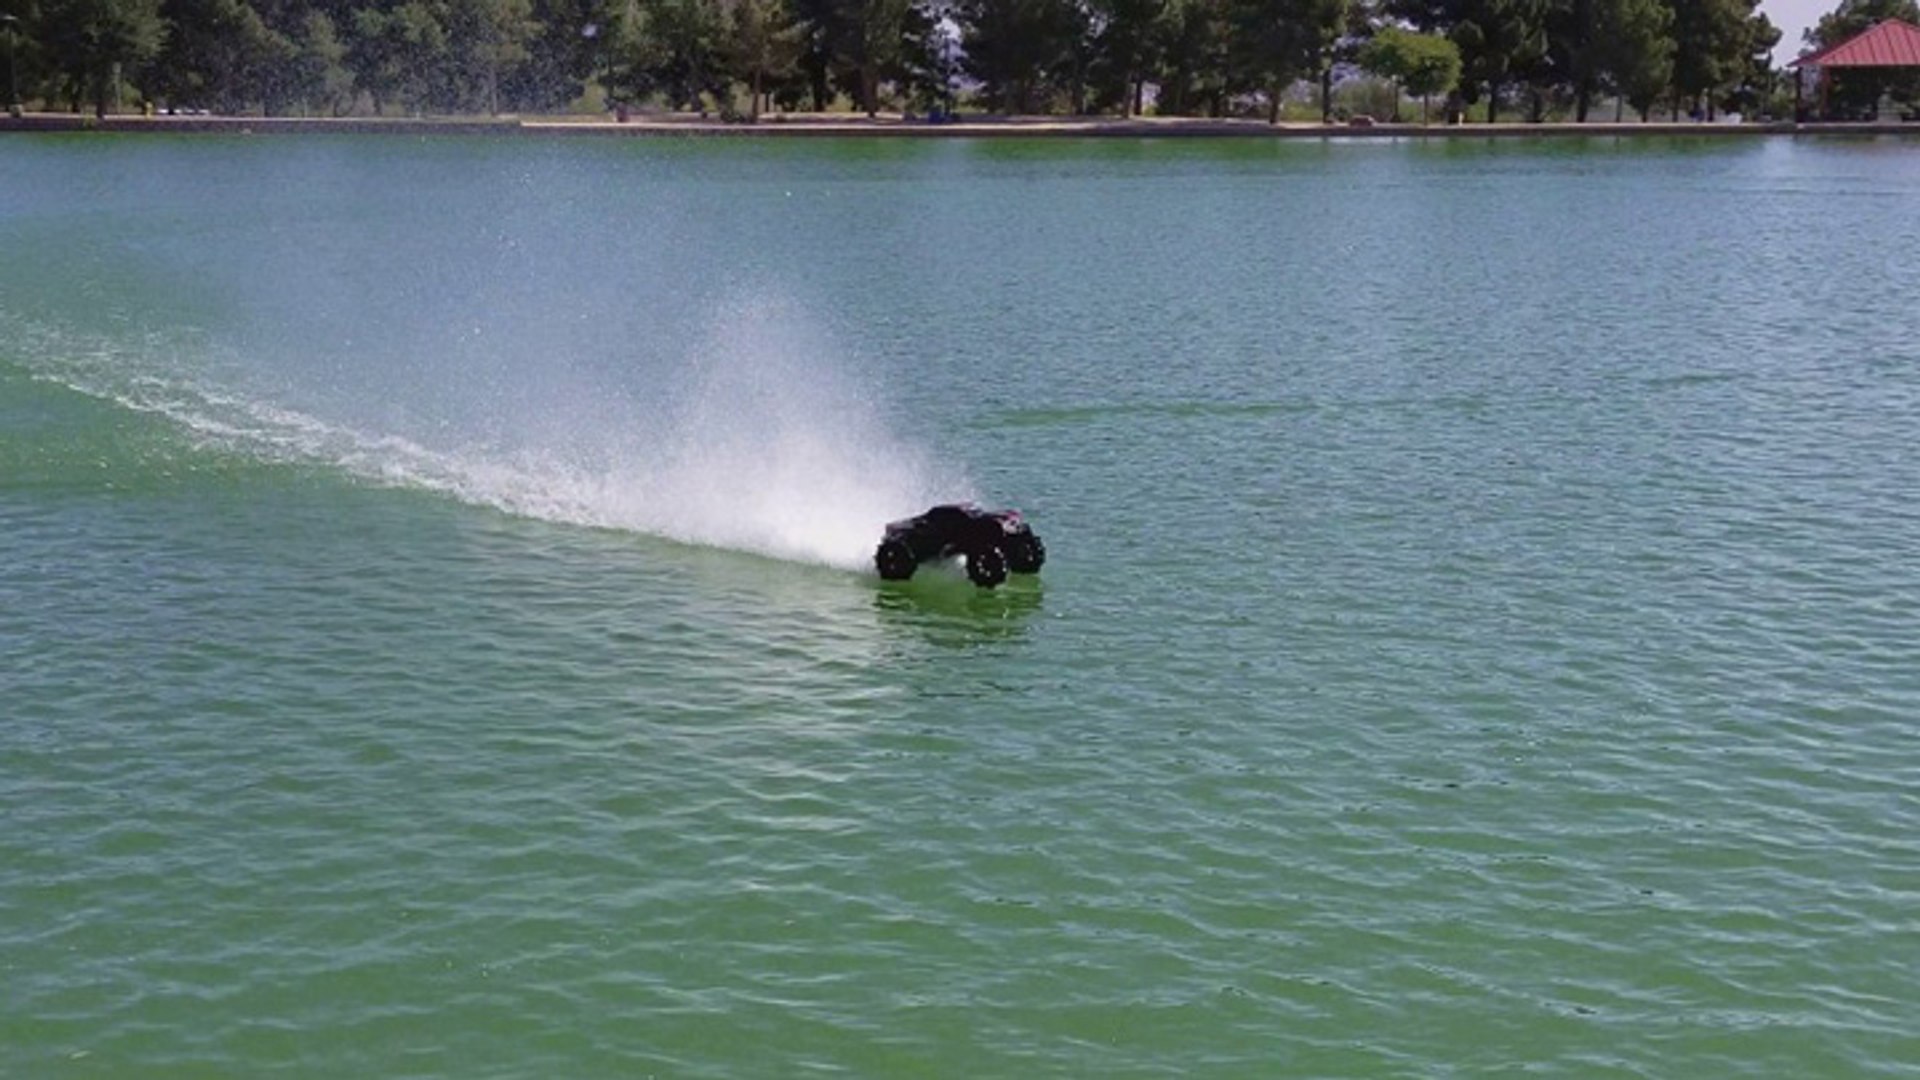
(842, 126)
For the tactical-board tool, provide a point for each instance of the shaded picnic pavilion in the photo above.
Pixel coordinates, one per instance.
(1889, 43)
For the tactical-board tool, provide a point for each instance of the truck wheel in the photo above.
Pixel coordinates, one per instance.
(987, 566)
(894, 560)
(1026, 554)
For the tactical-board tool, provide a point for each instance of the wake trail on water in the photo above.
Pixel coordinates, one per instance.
(759, 441)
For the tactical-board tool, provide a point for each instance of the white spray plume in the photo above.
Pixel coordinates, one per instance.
(760, 441)
(764, 445)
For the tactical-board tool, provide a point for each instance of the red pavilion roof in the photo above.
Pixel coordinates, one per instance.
(1888, 43)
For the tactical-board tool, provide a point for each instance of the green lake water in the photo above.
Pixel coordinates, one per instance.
(1482, 634)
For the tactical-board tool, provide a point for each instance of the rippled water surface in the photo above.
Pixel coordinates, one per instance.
(1482, 635)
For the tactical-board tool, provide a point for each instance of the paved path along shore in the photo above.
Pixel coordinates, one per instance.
(842, 126)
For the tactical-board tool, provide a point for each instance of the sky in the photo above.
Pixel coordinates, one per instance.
(1793, 16)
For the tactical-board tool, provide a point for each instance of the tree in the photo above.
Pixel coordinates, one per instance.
(484, 39)
(929, 56)
(92, 43)
(1496, 37)
(1754, 77)
(1277, 41)
(563, 51)
(1193, 57)
(398, 55)
(1358, 20)
(318, 77)
(1077, 29)
(876, 48)
(1017, 49)
(1637, 52)
(1126, 35)
(1574, 43)
(1423, 64)
(683, 60)
(218, 53)
(764, 42)
(22, 43)
(1713, 49)
(620, 49)
(1599, 45)
(814, 78)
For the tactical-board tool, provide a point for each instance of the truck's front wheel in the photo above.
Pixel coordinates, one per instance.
(894, 560)
(1025, 553)
(987, 566)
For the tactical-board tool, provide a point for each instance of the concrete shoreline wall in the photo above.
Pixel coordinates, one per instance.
(886, 127)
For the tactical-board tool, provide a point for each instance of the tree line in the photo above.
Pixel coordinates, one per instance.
(741, 57)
